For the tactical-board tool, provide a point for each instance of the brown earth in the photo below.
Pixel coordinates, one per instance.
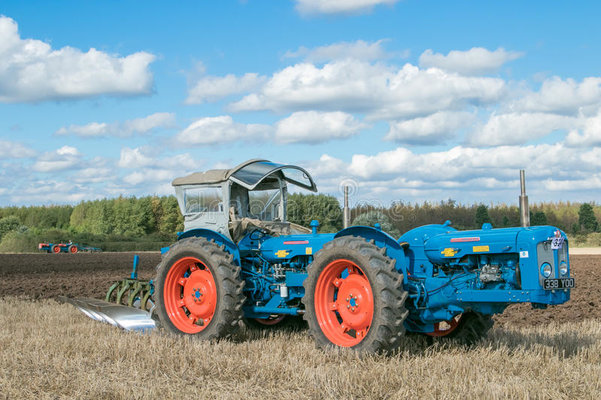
(41, 276)
(585, 301)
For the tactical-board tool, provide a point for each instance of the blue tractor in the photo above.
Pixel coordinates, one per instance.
(239, 259)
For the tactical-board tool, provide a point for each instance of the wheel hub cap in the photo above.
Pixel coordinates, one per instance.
(344, 303)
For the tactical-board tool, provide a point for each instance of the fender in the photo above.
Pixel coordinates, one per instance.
(381, 239)
(217, 237)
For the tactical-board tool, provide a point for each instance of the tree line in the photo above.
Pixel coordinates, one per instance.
(132, 223)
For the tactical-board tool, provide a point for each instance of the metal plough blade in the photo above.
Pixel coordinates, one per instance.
(128, 318)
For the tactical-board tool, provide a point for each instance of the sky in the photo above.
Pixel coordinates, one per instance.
(406, 100)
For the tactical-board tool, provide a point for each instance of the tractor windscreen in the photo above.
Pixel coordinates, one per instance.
(265, 204)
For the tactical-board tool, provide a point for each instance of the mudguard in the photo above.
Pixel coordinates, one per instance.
(217, 237)
(383, 240)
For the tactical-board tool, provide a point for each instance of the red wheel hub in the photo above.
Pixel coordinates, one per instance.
(190, 295)
(344, 307)
(73, 249)
(56, 249)
(445, 327)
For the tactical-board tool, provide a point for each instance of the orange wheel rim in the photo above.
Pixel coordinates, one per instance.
(190, 295)
(73, 249)
(344, 303)
(445, 327)
(56, 249)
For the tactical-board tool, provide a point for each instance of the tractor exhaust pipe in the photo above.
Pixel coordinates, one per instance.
(346, 216)
(524, 210)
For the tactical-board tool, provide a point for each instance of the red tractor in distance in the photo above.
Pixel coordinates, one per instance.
(69, 247)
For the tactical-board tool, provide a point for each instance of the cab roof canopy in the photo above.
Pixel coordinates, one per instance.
(250, 174)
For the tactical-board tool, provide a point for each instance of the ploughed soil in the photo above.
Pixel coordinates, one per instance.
(40, 276)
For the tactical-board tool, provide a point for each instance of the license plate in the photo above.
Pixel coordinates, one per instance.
(552, 284)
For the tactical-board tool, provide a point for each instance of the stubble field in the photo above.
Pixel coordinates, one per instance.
(50, 350)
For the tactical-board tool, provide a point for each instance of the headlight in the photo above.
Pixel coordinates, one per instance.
(545, 270)
(563, 268)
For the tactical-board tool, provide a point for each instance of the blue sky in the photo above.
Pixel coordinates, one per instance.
(404, 100)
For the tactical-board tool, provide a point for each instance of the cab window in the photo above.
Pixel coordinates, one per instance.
(203, 199)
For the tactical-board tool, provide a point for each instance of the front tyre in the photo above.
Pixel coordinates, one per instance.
(199, 290)
(354, 297)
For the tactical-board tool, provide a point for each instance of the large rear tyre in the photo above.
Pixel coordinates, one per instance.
(72, 249)
(55, 249)
(466, 329)
(354, 297)
(199, 290)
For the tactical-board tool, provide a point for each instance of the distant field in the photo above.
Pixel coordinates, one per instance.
(585, 251)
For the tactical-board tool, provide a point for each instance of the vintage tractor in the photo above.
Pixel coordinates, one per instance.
(69, 247)
(239, 259)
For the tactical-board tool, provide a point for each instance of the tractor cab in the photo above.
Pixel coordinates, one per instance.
(234, 201)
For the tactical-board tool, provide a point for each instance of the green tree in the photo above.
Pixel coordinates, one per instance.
(9, 224)
(538, 218)
(586, 218)
(326, 209)
(482, 215)
(171, 220)
(371, 218)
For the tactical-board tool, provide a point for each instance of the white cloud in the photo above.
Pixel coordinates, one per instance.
(590, 134)
(563, 96)
(147, 124)
(135, 158)
(464, 172)
(433, 129)
(125, 129)
(316, 127)
(218, 130)
(477, 60)
(149, 175)
(359, 50)
(148, 157)
(311, 7)
(52, 192)
(518, 128)
(30, 70)
(380, 90)
(93, 129)
(152, 169)
(11, 150)
(93, 174)
(213, 88)
(327, 167)
(65, 158)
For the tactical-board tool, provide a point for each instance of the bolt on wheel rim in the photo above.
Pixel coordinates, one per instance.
(190, 295)
(344, 303)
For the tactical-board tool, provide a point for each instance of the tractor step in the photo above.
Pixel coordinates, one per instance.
(124, 317)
